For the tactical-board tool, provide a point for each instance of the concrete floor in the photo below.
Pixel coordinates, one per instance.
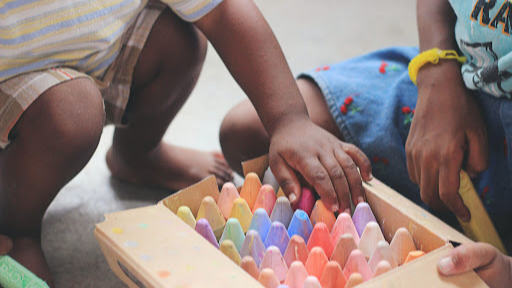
(312, 33)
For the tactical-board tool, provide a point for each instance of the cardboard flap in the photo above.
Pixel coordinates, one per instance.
(257, 165)
(422, 272)
(154, 248)
(193, 195)
(393, 211)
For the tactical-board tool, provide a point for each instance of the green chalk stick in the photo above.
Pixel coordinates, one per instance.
(14, 275)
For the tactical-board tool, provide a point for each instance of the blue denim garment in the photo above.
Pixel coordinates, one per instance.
(378, 118)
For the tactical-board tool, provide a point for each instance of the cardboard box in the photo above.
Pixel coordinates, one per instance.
(152, 247)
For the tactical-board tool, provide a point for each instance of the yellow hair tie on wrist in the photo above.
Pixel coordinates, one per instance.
(432, 56)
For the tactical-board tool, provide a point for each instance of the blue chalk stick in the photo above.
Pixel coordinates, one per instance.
(261, 223)
(300, 225)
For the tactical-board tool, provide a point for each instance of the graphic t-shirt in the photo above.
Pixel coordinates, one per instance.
(482, 32)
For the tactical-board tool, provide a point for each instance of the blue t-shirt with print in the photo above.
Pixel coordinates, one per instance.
(482, 32)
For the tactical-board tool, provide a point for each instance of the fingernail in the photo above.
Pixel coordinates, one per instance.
(446, 265)
(335, 207)
(292, 197)
(466, 218)
(371, 176)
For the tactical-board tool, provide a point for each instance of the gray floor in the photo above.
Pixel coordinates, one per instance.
(312, 33)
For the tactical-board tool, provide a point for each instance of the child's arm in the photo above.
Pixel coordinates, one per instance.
(5, 245)
(492, 266)
(252, 54)
(447, 123)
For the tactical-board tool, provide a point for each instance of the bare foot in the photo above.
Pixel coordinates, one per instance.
(169, 166)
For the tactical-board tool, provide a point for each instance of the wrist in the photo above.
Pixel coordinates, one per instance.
(445, 70)
(284, 122)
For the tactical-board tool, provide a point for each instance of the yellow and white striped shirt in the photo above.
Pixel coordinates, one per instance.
(81, 34)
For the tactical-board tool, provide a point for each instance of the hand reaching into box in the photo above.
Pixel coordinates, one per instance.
(492, 266)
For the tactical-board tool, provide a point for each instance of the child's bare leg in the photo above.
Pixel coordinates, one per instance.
(243, 137)
(165, 74)
(51, 143)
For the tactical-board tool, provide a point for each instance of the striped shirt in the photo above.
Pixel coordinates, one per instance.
(81, 34)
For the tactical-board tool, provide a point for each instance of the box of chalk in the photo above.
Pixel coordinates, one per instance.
(253, 237)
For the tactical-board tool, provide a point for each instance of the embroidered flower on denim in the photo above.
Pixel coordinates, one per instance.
(348, 104)
(325, 68)
(384, 67)
(409, 113)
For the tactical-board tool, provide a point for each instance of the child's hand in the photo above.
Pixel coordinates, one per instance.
(492, 266)
(447, 125)
(325, 162)
(5, 245)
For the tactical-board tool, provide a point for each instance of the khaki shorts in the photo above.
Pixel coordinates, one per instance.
(17, 93)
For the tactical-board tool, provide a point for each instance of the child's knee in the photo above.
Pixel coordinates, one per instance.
(68, 118)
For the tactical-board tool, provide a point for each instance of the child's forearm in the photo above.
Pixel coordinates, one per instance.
(436, 24)
(252, 54)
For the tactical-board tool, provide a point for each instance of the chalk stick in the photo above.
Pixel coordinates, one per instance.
(280, 193)
(282, 211)
(296, 251)
(227, 196)
(321, 214)
(266, 199)
(228, 248)
(277, 236)
(382, 252)
(342, 226)
(413, 255)
(185, 214)
(261, 223)
(274, 260)
(15, 275)
(401, 245)
(354, 280)
(204, 229)
(372, 235)
(344, 247)
(306, 201)
(233, 231)
(381, 268)
(312, 282)
(241, 211)
(297, 274)
(270, 179)
(251, 188)
(316, 262)
(300, 225)
(253, 246)
(333, 276)
(250, 267)
(210, 211)
(268, 279)
(356, 263)
(320, 237)
(362, 215)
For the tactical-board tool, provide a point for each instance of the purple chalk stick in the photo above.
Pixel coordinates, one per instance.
(253, 246)
(362, 216)
(282, 211)
(278, 236)
(205, 230)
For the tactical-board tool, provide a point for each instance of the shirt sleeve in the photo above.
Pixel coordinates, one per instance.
(192, 10)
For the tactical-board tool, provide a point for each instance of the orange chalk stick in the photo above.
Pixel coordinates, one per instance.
(250, 267)
(401, 245)
(320, 213)
(333, 276)
(266, 199)
(320, 237)
(413, 255)
(268, 278)
(316, 262)
(354, 280)
(250, 189)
